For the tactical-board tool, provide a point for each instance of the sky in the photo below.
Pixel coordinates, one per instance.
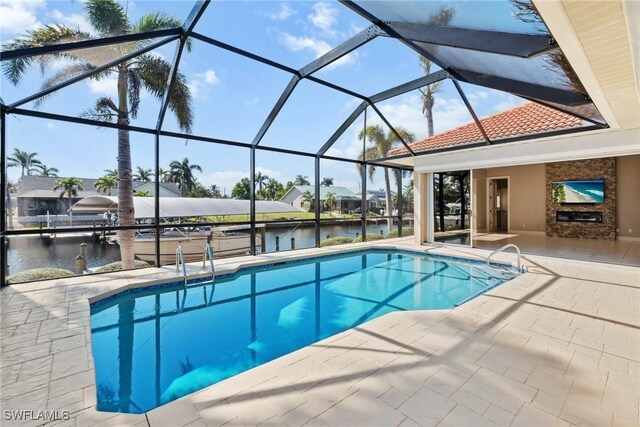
(233, 95)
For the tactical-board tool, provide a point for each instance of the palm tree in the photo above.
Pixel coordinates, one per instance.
(260, 180)
(106, 183)
(308, 199)
(143, 175)
(164, 175)
(242, 189)
(327, 181)
(215, 192)
(330, 201)
(147, 71)
(69, 186)
(47, 171)
(442, 17)
(182, 174)
(381, 143)
(272, 189)
(301, 180)
(27, 161)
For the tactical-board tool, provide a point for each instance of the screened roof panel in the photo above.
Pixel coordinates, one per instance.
(51, 70)
(96, 97)
(292, 34)
(541, 70)
(309, 117)
(396, 64)
(501, 15)
(231, 95)
(349, 145)
(448, 112)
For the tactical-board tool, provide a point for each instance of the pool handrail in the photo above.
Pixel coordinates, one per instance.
(510, 245)
(179, 261)
(208, 253)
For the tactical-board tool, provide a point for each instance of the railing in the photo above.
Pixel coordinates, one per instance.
(510, 245)
(180, 261)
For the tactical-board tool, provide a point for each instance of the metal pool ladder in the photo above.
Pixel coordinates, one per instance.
(208, 253)
(510, 245)
(180, 261)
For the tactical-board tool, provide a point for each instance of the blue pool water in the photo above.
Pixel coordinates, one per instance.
(154, 345)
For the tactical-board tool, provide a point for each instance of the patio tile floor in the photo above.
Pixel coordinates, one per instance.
(559, 345)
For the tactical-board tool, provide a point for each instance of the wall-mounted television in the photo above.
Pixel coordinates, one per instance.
(579, 191)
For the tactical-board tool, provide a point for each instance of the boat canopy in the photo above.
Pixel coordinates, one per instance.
(179, 207)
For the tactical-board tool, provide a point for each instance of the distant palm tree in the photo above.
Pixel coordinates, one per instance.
(112, 173)
(215, 192)
(301, 180)
(143, 175)
(47, 171)
(327, 181)
(27, 161)
(69, 186)
(144, 72)
(106, 183)
(308, 199)
(242, 189)
(330, 201)
(381, 143)
(164, 175)
(272, 189)
(260, 180)
(442, 17)
(182, 174)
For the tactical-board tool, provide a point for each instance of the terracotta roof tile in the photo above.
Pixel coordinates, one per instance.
(529, 118)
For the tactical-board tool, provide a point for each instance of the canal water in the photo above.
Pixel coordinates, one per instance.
(27, 252)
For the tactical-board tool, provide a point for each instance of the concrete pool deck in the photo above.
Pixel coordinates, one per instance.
(559, 345)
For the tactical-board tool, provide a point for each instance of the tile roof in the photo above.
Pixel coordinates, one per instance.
(525, 119)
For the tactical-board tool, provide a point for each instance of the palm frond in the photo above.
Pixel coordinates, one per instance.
(157, 21)
(107, 17)
(45, 36)
(66, 73)
(154, 72)
(104, 111)
(135, 83)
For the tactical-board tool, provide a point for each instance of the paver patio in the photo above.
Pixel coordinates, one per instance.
(559, 345)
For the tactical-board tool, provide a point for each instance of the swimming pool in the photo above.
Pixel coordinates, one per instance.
(159, 343)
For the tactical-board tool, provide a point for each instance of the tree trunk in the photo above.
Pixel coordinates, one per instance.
(389, 210)
(126, 214)
(430, 130)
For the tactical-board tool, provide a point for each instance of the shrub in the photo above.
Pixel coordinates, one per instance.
(405, 232)
(117, 266)
(333, 241)
(39, 274)
(370, 237)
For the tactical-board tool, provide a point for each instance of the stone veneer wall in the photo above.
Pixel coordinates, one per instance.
(583, 169)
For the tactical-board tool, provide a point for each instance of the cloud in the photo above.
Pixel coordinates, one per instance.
(201, 83)
(224, 179)
(324, 17)
(448, 113)
(227, 179)
(282, 14)
(20, 16)
(317, 46)
(73, 20)
(106, 87)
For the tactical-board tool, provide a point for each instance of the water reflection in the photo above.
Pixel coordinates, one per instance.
(154, 346)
